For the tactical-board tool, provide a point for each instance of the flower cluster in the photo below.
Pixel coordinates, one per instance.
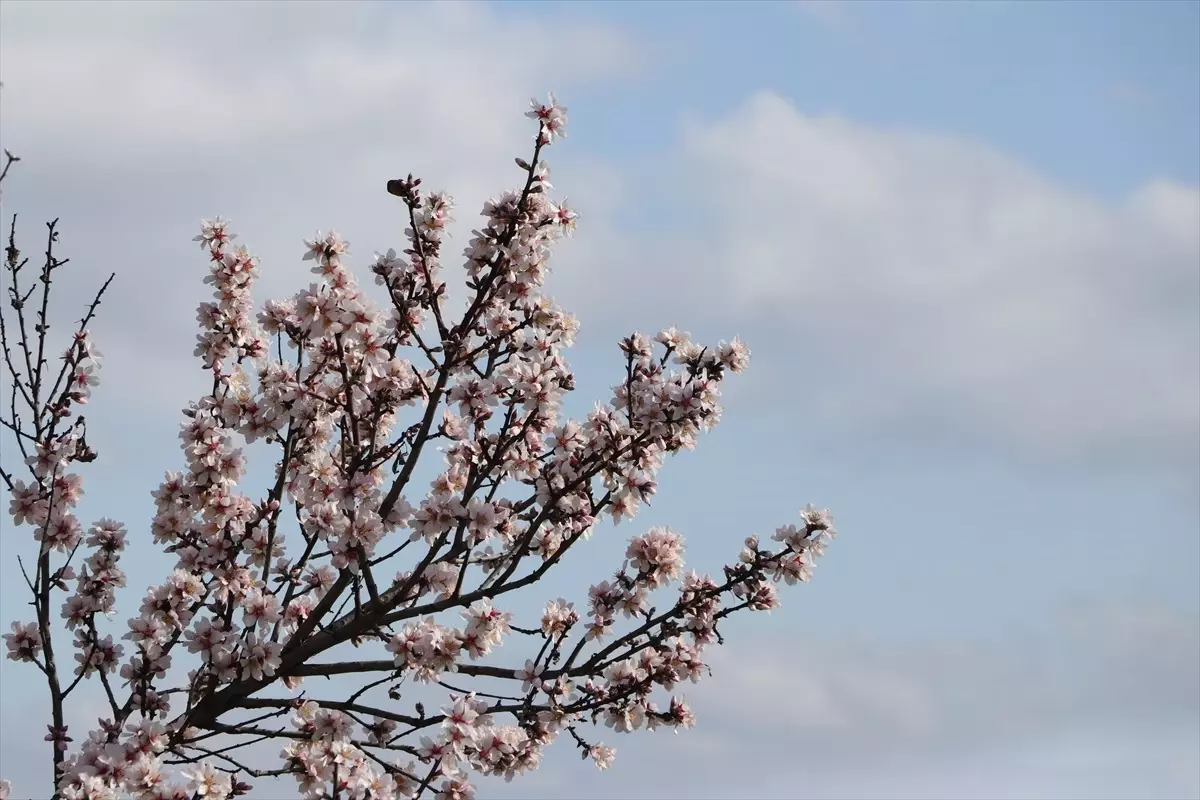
(326, 757)
(24, 643)
(355, 392)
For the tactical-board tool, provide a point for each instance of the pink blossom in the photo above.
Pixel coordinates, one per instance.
(356, 395)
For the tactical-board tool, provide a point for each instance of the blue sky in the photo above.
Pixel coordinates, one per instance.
(962, 240)
(1063, 86)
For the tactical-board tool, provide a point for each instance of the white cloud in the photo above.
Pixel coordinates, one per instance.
(1142, 658)
(136, 120)
(928, 282)
(127, 79)
(934, 279)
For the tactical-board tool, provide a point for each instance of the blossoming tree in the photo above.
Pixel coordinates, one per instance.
(342, 548)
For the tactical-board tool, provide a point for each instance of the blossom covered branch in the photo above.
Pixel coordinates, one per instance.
(343, 548)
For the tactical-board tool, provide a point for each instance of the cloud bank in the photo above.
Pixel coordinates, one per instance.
(936, 279)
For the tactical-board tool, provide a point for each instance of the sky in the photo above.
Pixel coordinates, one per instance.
(962, 241)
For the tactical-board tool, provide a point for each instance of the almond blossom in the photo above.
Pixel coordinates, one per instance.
(350, 561)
